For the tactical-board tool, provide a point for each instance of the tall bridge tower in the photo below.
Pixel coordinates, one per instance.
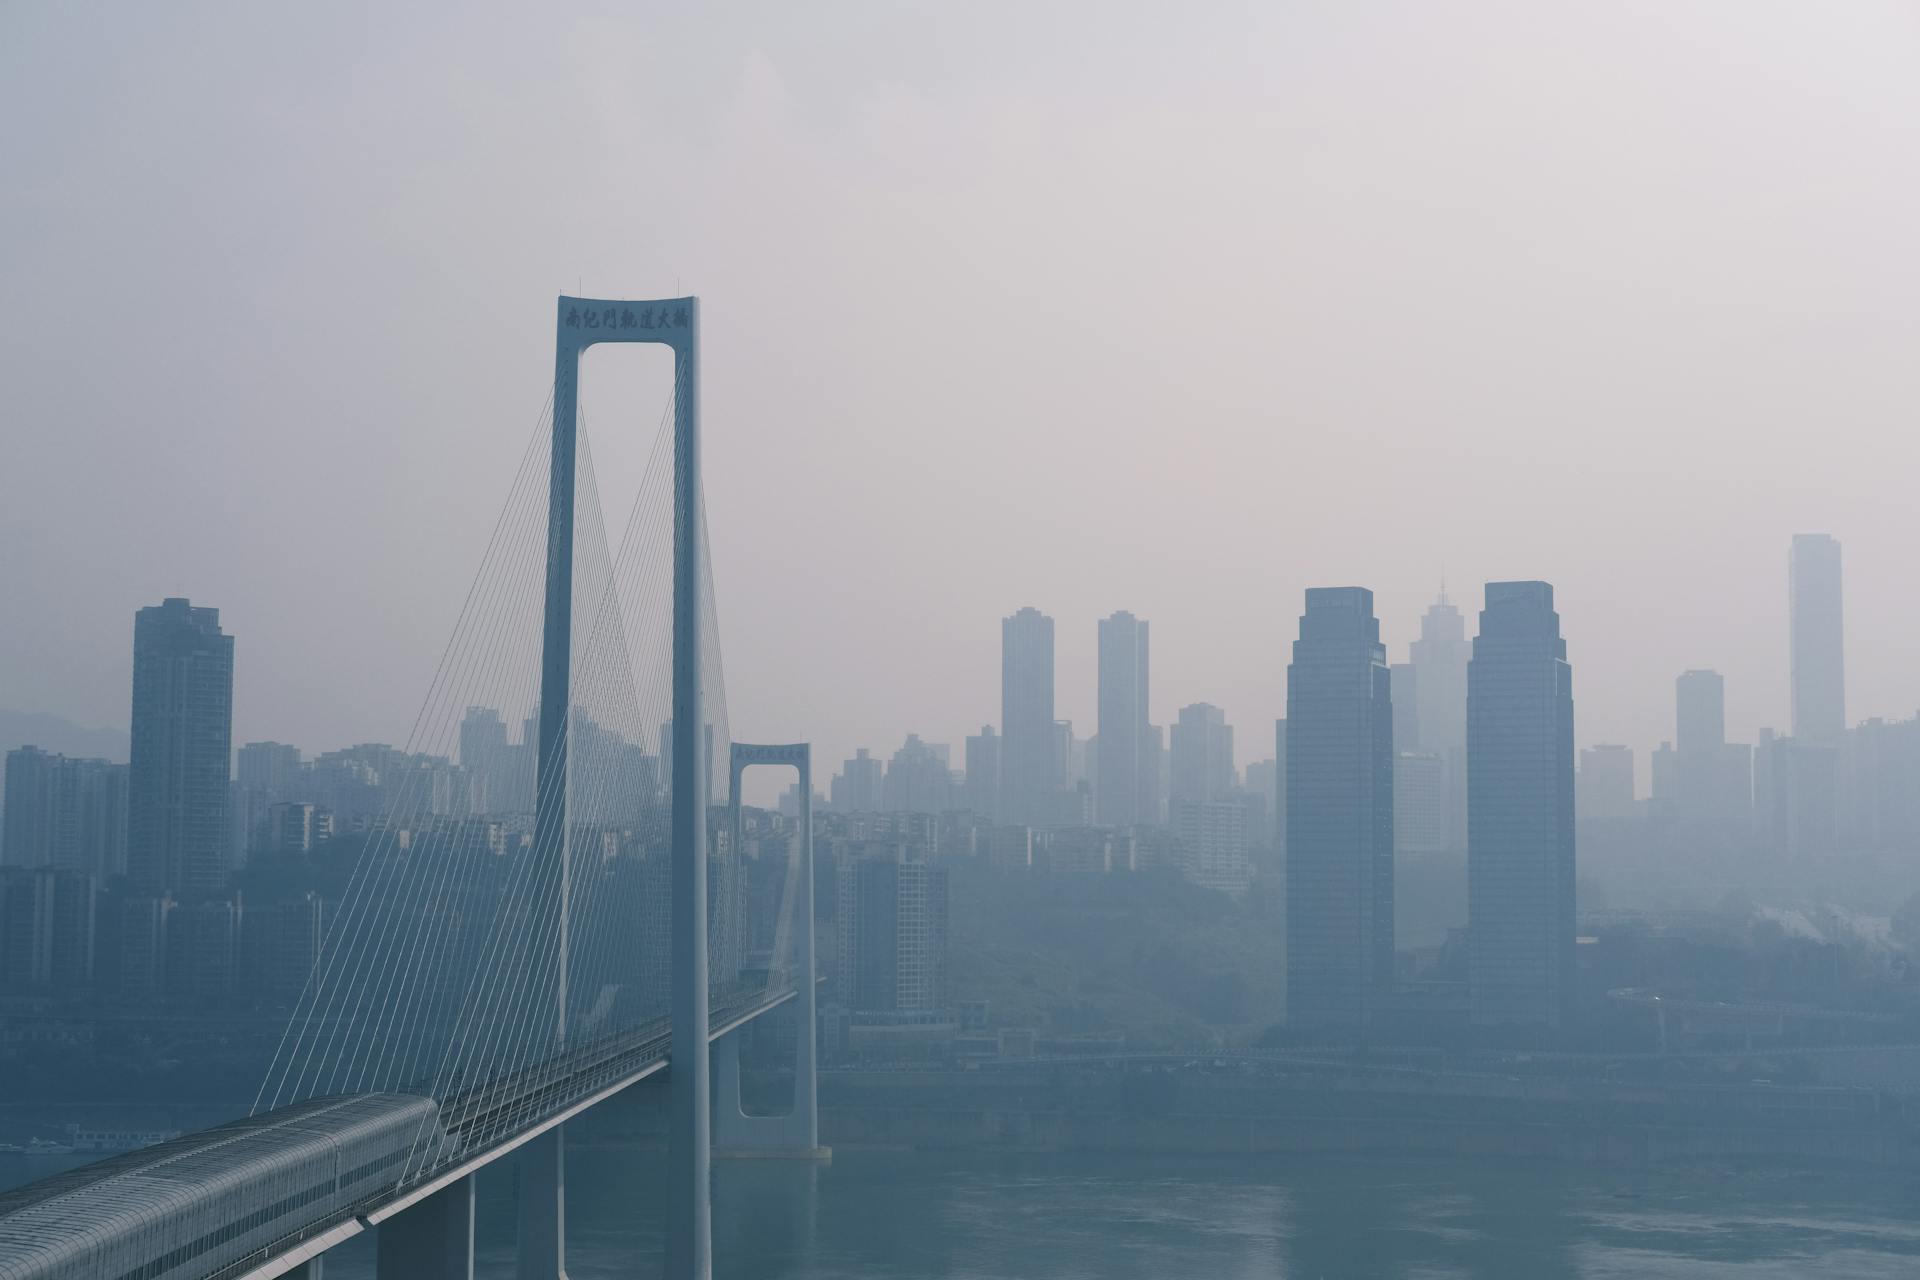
(675, 324)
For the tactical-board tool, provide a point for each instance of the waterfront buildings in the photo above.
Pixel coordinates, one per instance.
(891, 919)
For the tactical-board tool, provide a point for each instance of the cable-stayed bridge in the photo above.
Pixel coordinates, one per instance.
(523, 937)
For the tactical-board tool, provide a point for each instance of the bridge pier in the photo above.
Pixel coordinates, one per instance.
(795, 1135)
(432, 1240)
(543, 1207)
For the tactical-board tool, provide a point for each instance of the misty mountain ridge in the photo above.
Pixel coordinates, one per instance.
(62, 736)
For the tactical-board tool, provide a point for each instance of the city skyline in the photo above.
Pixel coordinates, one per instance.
(1164, 708)
(563, 471)
(1441, 632)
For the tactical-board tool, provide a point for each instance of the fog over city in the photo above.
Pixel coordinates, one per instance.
(1096, 307)
(959, 640)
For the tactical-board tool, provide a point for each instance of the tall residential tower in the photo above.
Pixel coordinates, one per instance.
(1124, 771)
(1520, 891)
(1339, 813)
(178, 833)
(1439, 664)
(1028, 778)
(1816, 638)
(1200, 756)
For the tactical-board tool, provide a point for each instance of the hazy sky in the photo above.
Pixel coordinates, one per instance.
(1174, 308)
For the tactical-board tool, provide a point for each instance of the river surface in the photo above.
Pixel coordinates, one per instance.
(870, 1215)
(874, 1214)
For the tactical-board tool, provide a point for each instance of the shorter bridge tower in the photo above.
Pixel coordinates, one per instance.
(797, 1133)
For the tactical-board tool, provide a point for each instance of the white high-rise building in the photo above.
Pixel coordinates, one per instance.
(1202, 755)
(1439, 666)
(1028, 755)
(1817, 646)
(1124, 773)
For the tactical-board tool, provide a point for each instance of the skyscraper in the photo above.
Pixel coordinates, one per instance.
(1406, 708)
(983, 772)
(1713, 779)
(274, 767)
(1816, 638)
(1796, 795)
(1123, 767)
(857, 787)
(1700, 712)
(1280, 789)
(1520, 889)
(1419, 802)
(178, 833)
(918, 779)
(267, 774)
(1663, 766)
(1339, 813)
(1439, 664)
(1201, 756)
(1700, 734)
(1604, 789)
(890, 916)
(1027, 755)
(483, 753)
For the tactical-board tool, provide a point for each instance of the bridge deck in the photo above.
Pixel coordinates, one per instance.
(534, 1101)
(358, 1159)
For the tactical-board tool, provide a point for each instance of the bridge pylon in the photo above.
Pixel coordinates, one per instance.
(674, 323)
(797, 1133)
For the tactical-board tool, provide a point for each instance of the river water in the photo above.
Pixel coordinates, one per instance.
(870, 1215)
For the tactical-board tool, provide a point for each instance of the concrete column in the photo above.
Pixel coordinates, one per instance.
(433, 1240)
(551, 829)
(689, 1152)
(806, 1087)
(543, 1207)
